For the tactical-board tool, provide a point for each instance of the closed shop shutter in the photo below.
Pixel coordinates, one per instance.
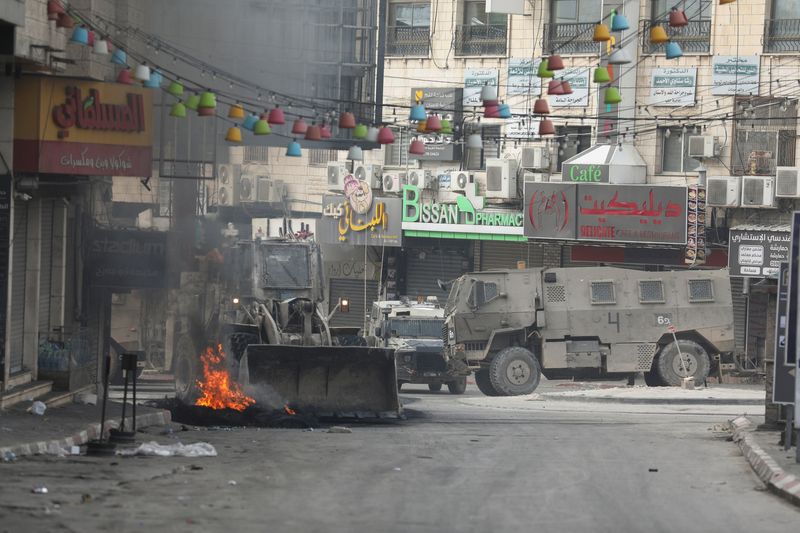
(499, 254)
(756, 327)
(425, 265)
(18, 266)
(352, 290)
(46, 275)
(739, 314)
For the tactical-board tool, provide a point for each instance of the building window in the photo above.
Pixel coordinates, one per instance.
(408, 29)
(256, 154)
(675, 150)
(764, 137)
(481, 33)
(396, 154)
(320, 157)
(571, 26)
(573, 140)
(694, 38)
(603, 292)
(476, 159)
(782, 29)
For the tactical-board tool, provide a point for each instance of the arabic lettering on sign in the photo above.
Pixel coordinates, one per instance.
(752, 255)
(617, 207)
(735, 75)
(91, 114)
(763, 249)
(578, 78)
(349, 220)
(673, 87)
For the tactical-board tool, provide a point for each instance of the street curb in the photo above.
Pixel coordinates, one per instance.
(159, 418)
(653, 401)
(776, 479)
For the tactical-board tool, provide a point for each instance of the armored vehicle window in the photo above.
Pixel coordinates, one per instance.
(482, 293)
(603, 292)
(490, 291)
(701, 290)
(651, 291)
(285, 267)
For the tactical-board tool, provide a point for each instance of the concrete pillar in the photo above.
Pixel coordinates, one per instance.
(59, 265)
(30, 342)
(772, 411)
(6, 166)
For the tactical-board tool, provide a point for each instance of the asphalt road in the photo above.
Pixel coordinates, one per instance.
(453, 466)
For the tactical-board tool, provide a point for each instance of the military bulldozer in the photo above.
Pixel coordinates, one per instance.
(263, 301)
(511, 326)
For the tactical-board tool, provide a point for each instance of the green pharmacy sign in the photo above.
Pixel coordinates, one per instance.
(465, 219)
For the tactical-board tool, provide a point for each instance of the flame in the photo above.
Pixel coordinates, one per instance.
(289, 410)
(217, 390)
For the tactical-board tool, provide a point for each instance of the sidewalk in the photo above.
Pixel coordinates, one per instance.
(719, 394)
(23, 433)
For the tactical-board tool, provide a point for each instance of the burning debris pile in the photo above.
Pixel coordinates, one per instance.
(217, 389)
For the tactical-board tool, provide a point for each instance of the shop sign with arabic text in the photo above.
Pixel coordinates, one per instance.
(346, 222)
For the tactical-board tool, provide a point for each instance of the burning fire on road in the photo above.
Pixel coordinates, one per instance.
(217, 389)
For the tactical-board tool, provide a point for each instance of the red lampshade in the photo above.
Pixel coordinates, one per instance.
(546, 127)
(54, 9)
(554, 62)
(90, 37)
(540, 107)
(554, 87)
(347, 121)
(385, 136)
(299, 127)
(678, 18)
(313, 132)
(434, 123)
(491, 111)
(276, 116)
(125, 77)
(206, 111)
(416, 147)
(65, 21)
(325, 131)
(566, 88)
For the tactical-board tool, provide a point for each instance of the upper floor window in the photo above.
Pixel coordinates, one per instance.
(782, 29)
(408, 29)
(475, 14)
(694, 38)
(571, 26)
(481, 33)
(675, 150)
(577, 11)
(696, 10)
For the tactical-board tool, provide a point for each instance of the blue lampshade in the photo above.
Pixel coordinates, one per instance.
(293, 150)
(418, 113)
(80, 35)
(119, 57)
(619, 23)
(673, 50)
(250, 121)
(155, 80)
(504, 111)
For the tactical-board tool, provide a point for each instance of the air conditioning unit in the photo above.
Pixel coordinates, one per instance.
(701, 146)
(265, 189)
(758, 191)
(460, 181)
(227, 185)
(392, 182)
(369, 173)
(247, 188)
(723, 191)
(336, 174)
(535, 177)
(501, 178)
(535, 157)
(787, 182)
(422, 178)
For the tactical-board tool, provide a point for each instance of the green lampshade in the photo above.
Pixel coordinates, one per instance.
(261, 127)
(612, 96)
(178, 110)
(601, 75)
(175, 89)
(208, 100)
(193, 102)
(447, 127)
(360, 131)
(543, 72)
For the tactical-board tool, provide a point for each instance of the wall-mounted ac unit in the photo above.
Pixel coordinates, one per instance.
(501, 178)
(265, 189)
(336, 174)
(460, 180)
(531, 177)
(369, 173)
(701, 146)
(247, 188)
(787, 182)
(227, 185)
(422, 178)
(535, 157)
(758, 191)
(392, 182)
(723, 191)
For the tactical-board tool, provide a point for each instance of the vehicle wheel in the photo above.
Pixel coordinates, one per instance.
(483, 382)
(459, 386)
(434, 387)
(187, 370)
(695, 360)
(514, 371)
(652, 379)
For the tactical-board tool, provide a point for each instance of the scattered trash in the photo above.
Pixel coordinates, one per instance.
(86, 398)
(75, 450)
(39, 490)
(309, 429)
(339, 429)
(38, 408)
(54, 448)
(198, 449)
(195, 467)
(86, 498)
(231, 482)
(652, 469)
(9, 457)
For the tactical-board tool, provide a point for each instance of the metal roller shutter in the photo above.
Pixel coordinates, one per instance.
(424, 266)
(499, 254)
(739, 313)
(352, 290)
(46, 275)
(18, 266)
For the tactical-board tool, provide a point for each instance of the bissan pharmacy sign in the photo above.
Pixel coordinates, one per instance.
(465, 219)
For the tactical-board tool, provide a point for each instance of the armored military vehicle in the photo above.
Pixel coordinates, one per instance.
(510, 326)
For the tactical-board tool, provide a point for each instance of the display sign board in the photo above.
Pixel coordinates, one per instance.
(474, 80)
(447, 103)
(301, 229)
(673, 86)
(783, 383)
(82, 127)
(127, 259)
(584, 173)
(735, 75)
(578, 78)
(522, 77)
(757, 253)
(350, 220)
(549, 210)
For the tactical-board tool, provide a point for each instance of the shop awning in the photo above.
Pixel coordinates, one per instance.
(606, 163)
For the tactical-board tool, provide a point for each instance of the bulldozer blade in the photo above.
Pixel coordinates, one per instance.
(325, 381)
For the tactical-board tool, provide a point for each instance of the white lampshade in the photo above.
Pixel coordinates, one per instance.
(474, 141)
(372, 134)
(142, 72)
(355, 154)
(489, 93)
(100, 47)
(620, 56)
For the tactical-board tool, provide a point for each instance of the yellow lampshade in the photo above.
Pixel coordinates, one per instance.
(236, 112)
(234, 135)
(601, 33)
(658, 35)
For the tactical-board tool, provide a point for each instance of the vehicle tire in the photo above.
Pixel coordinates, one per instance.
(652, 379)
(695, 357)
(514, 371)
(483, 382)
(459, 386)
(187, 370)
(434, 387)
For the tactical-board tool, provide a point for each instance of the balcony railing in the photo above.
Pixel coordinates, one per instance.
(694, 38)
(570, 38)
(782, 35)
(485, 40)
(403, 41)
